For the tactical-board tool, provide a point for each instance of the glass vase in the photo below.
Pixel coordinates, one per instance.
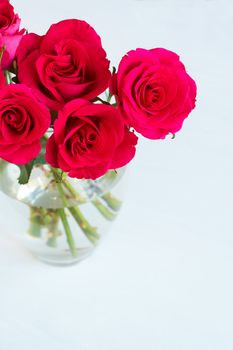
(62, 220)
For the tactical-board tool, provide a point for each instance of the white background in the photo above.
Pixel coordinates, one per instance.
(163, 278)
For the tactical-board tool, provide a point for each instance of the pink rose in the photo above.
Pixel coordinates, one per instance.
(89, 139)
(9, 21)
(10, 35)
(67, 63)
(154, 92)
(23, 121)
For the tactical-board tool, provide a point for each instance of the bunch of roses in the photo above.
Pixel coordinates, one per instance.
(59, 77)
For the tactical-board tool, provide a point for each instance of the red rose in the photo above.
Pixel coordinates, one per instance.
(89, 139)
(10, 35)
(2, 79)
(67, 63)
(154, 92)
(23, 121)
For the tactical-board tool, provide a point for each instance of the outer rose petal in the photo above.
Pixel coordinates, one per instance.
(11, 43)
(113, 84)
(51, 152)
(29, 43)
(125, 152)
(73, 29)
(92, 173)
(23, 155)
(166, 57)
(2, 79)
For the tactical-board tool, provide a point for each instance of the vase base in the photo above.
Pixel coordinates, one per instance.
(65, 258)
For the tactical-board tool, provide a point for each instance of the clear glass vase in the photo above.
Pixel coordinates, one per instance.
(63, 219)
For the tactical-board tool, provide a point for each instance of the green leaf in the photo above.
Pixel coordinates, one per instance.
(25, 172)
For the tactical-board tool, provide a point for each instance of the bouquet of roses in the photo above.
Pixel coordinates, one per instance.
(64, 108)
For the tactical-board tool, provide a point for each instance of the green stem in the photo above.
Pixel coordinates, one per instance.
(52, 226)
(103, 210)
(114, 203)
(35, 225)
(109, 97)
(60, 180)
(58, 175)
(47, 220)
(69, 236)
(7, 77)
(63, 216)
(108, 214)
(45, 138)
(62, 195)
(90, 231)
(73, 192)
